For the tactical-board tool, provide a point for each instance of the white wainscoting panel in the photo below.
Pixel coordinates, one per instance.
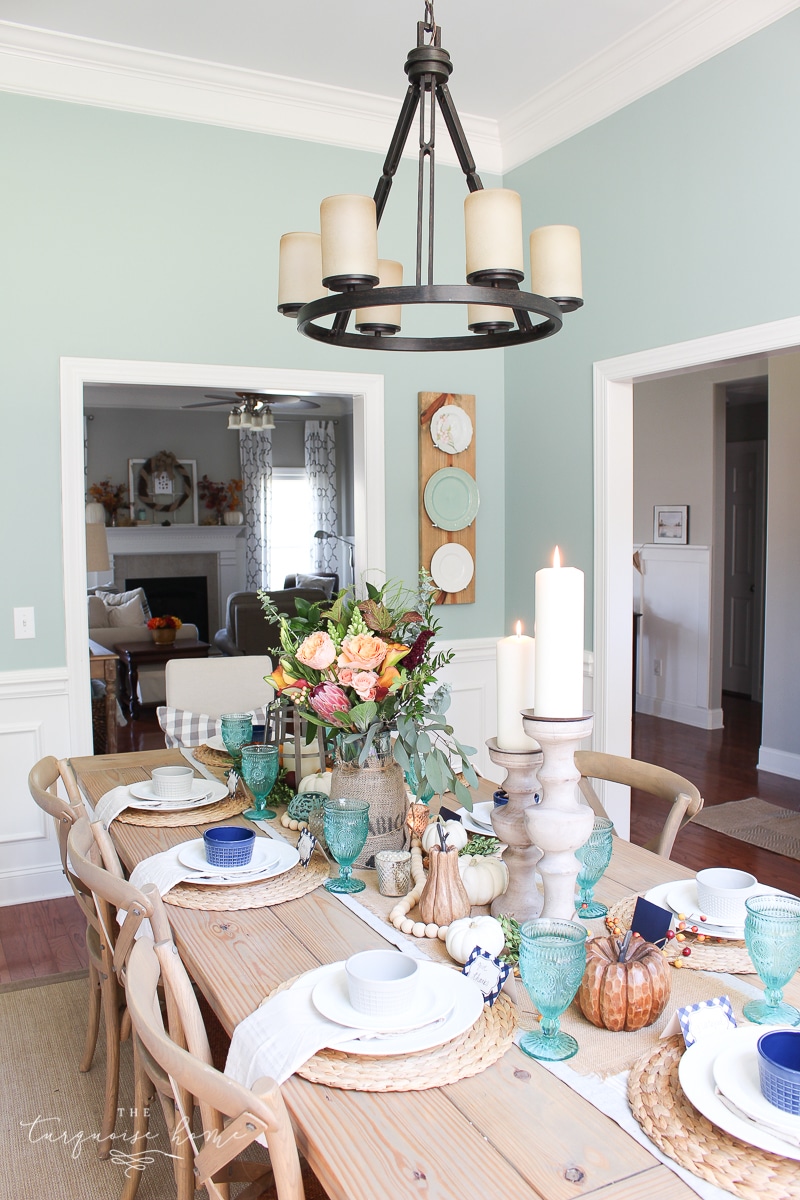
(34, 722)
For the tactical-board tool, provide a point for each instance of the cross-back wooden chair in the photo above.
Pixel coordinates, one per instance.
(683, 797)
(178, 1066)
(104, 990)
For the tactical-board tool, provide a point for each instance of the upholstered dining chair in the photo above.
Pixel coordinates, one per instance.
(683, 797)
(179, 1074)
(218, 685)
(104, 990)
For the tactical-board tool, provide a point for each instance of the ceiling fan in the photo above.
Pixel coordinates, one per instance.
(253, 410)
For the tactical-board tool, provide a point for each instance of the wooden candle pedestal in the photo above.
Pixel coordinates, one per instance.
(521, 899)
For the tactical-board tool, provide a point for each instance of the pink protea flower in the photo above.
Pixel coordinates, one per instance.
(363, 652)
(365, 683)
(327, 700)
(317, 651)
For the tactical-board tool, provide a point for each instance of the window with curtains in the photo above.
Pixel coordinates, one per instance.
(292, 525)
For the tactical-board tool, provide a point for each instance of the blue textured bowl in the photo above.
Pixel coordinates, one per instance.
(779, 1068)
(229, 845)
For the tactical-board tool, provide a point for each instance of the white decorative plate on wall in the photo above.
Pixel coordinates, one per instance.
(452, 567)
(451, 429)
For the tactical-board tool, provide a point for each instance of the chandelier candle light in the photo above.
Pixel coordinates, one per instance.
(559, 824)
(343, 257)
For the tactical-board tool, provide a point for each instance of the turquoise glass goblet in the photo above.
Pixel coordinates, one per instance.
(552, 959)
(594, 857)
(772, 935)
(346, 824)
(259, 771)
(237, 731)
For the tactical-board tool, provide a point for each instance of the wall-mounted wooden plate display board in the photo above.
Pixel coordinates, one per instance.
(448, 493)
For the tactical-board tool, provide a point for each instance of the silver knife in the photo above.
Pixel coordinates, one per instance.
(776, 1130)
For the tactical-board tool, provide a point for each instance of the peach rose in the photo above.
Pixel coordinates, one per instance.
(317, 651)
(365, 684)
(345, 676)
(363, 652)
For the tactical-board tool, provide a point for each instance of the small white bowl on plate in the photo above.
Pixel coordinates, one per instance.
(172, 783)
(381, 982)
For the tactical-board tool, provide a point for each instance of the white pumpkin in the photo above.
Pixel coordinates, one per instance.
(320, 781)
(463, 936)
(456, 834)
(484, 877)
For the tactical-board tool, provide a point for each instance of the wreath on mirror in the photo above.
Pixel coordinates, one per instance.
(160, 463)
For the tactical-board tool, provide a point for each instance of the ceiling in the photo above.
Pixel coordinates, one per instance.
(527, 73)
(167, 399)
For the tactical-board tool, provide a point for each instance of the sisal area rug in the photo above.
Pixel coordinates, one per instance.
(757, 822)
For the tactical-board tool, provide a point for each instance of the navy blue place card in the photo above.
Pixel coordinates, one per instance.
(489, 973)
(305, 847)
(651, 922)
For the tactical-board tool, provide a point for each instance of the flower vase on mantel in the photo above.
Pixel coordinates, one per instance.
(381, 782)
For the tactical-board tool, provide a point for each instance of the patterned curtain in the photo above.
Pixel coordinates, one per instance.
(255, 452)
(321, 470)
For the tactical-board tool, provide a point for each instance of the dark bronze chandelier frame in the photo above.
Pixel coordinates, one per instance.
(428, 68)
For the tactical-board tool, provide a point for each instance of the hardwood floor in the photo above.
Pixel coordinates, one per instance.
(48, 938)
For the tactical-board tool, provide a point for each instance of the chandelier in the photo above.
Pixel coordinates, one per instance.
(252, 413)
(343, 257)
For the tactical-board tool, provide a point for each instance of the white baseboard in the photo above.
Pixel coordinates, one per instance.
(29, 884)
(779, 762)
(686, 714)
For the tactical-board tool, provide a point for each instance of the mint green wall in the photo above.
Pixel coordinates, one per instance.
(124, 236)
(687, 205)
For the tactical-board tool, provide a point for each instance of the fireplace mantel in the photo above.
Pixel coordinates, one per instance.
(173, 539)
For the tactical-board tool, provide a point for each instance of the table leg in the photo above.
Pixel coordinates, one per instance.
(111, 705)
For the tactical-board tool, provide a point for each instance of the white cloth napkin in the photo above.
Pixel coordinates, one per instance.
(281, 1035)
(110, 805)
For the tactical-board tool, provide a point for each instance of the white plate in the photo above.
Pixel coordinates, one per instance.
(696, 1074)
(331, 998)
(282, 857)
(736, 1076)
(216, 743)
(451, 429)
(473, 826)
(204, 791)
(467, 1007)
(481, 815)
(193, 854)
(452, 567)
(658, 895)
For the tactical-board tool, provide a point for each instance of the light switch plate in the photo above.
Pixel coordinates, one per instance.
(24, 624)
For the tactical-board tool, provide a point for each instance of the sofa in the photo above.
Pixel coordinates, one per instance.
(247, 631)
(122, 617)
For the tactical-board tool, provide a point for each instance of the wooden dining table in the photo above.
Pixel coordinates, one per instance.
(515, 1130)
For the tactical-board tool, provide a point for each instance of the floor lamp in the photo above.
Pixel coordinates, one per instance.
(323, 533)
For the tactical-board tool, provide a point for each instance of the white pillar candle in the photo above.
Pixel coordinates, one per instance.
(516, 657)
(559, 641)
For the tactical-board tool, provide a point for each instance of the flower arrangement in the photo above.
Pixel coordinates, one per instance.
(220, 497)
(360, 668)
(164, 623)
(110, 495)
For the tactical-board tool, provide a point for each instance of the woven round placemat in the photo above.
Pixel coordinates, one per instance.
(289, 886)
(705, 956)
(230, 806)
(468, 1054)
(685, 1135)
(210, 757)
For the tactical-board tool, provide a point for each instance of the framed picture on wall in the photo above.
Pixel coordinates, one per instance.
(163, 489)
(671, 524)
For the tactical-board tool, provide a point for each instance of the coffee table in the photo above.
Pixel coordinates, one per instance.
(133, 655)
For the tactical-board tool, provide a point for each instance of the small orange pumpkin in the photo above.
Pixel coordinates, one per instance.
(624, 995)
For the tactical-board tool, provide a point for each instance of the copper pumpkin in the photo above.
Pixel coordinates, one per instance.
(623, 995)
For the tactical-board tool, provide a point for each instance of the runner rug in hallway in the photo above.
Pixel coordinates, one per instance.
(757, 822)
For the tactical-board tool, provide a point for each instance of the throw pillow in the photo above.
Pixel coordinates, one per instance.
(125, 616)
(112, 599)
(323, 583)
(182, 728)
(98, 613)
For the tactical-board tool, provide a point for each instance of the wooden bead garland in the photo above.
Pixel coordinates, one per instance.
(399, 915)
(289, 822)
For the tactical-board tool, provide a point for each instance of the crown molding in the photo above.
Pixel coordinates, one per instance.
(38, 62)
(681, 37)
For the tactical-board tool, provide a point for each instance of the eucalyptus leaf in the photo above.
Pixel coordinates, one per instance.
(423, 743)
(362, 715)
(433, 773)
(401, 754)
(463, 795)
(368, 740)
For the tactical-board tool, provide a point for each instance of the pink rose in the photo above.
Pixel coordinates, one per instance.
(345, 675)
(362, 652)
(365, 683)
(317, 651)
(327, 700)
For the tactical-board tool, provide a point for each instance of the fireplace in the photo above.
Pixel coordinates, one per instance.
(184, 596)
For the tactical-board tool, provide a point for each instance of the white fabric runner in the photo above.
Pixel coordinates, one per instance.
(110, 805)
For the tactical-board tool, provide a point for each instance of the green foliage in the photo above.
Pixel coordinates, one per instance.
(513, 934)
(481, 845)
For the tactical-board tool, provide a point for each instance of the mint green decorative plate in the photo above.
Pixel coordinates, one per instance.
(451, 499)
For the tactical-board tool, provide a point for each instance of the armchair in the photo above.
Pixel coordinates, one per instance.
(246, 629)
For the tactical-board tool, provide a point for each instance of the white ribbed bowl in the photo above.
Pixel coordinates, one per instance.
(382, 983)
(172, 783)
(722, 891)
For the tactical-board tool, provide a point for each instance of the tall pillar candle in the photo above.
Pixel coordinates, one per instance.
(559, 641)
(516, 657)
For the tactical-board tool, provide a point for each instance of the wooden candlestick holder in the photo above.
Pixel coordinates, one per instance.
(559, 824)
(521, 899)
